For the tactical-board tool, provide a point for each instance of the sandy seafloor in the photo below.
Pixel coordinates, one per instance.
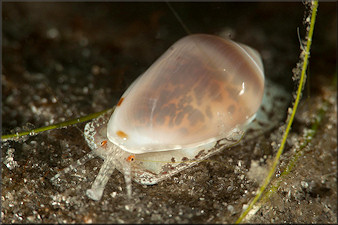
(64, 60)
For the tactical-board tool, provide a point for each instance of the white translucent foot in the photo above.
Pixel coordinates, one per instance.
(127, 179)
(95, 194)
(96, 191)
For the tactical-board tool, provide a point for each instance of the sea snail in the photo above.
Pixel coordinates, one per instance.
(199, 97)
(199, 90)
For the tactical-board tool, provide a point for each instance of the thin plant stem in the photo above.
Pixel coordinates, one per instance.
(294, 109)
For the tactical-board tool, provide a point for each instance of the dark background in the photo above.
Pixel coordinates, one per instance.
(65, 60)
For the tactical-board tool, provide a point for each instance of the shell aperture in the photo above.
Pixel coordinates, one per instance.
(199, 90)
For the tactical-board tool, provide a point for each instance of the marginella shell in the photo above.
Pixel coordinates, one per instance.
(198, 98)
(197, 92)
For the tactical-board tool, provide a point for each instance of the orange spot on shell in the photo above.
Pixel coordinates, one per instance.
(121, 134)
(120, 101)
(131, 158)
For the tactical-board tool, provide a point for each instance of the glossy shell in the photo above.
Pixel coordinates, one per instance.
(197, 99)
(200, 90)
(153, 167)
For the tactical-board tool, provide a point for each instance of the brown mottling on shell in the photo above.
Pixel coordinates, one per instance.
(191, 94)
(120, 101)
(195, 117)
(237, 80)
(214, 91)
(183, 131)
(159, 120)
(179, 118)
(208, 112)
(218, 97)
(199, 92)
(233, 93)
(166, 114)
(173, 160)
(171, 123)
(184, 101)
(231, 109)
(121, 134)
